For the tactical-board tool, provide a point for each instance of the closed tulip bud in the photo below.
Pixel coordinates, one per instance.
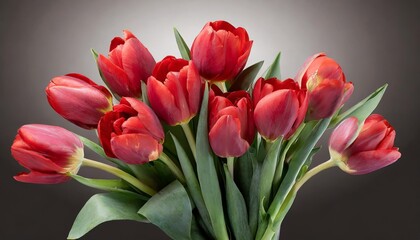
(366, 151)
(128, 64)
(280, 107)
(78, 99)
(326, 85)
(231, 123)
(175, 90)
(50, 153)
(131, 132)
(220, 51)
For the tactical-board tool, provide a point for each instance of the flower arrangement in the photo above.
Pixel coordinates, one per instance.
(201, 146)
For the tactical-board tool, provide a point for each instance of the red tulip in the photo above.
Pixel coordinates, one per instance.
(220, 51)
(326, 85)
(131, 132)
(280, 107)
(49, 152)
(175, 90)
(372, 149)
(78, 99)
(128, 64)
(231, 123)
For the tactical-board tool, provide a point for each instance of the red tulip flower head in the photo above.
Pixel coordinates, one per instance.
(128, 64)
(371, 149)
(78, 99)
(280, 107)
(49, 152)
(326, 85)
(220, 51)
(175, 90)
(231, 123)
(131, 132)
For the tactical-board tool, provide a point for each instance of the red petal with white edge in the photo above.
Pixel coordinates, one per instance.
(41, 178)
(136, 148)
(225, 138)
(366, 162)
(343, 134)
(115, 78)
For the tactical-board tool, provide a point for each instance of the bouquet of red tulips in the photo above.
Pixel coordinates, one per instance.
(201, 146)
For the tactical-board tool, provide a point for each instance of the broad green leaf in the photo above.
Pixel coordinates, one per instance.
(207, 174)
(243, 172)
(274, 69)
(246, 77)
(254, 199)
(236, 208)
(362, 109)
(308, 163)
(112, 185)
(170, 210)
(192, 183)
(182, 46)
(106, 207)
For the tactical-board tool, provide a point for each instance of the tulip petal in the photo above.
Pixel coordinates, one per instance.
(41, 178)
(105, 131)
(369, 161)
(35, 161)
(193, 89)
(275, 113)
(369, 138)
(225, 137)
(136, 148)
(162, 101)
(115, 78)
(325, 99)
(343, 134)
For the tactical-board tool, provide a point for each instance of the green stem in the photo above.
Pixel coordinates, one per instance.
(190, 138)
(231, 165)
(173, 167)
(119, 173)
(321, 167)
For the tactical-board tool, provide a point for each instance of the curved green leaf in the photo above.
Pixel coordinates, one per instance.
(246, 77)
(362, 109)
(170, 210)
(236, 208)
(182, 46)
(207, 174)
(274, 69)
(106, 207)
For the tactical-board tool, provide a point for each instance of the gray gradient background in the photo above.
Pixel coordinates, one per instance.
(376, 42)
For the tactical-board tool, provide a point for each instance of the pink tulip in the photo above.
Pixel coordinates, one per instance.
(220, 51)
(78, 99)
(326, 85)
(128, 64)
(49, 152)
(372, 149)
(131, 132)
(280, 107)
(231, 124)
(175, 90)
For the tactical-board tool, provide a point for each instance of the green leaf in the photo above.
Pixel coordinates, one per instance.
(144, 93)
(274, 69)
(254, 199)
(245, 79)
(170, 210)
(362, 109)
(192, 183)
(106, 207)
(236, 208)
(112, 185)
(207, 174)
(182, 46)
(243, 172)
